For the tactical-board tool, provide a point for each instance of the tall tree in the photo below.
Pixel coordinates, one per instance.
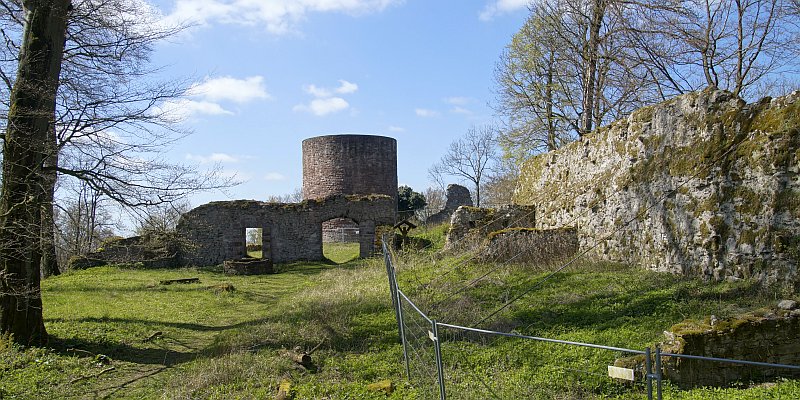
(111, 123)
(30, 121)
(566, 72)
(469, 157)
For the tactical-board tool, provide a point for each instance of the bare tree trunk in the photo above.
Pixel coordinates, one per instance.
(590, 58)
(30, 116)
(49, 259)
(551, 128)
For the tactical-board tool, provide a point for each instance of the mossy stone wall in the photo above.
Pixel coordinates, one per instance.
(703, 184)
(290, 232)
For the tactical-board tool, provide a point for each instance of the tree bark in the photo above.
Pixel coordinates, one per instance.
(49, 258)
(590, 60)
(30, 117)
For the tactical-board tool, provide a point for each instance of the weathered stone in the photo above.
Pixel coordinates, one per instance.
(765, 338)
(701, 185)
(787, 305)
(457, 196)
(470, 226)
(290, 232)
(156, 250)
(248, 266)
(529, 246)
(349, 165)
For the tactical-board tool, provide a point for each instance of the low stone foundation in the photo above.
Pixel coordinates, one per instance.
(530, 246)
(770, 336)
(248, 266)
(470, 226)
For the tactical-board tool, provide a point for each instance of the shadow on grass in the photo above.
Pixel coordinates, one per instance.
(120, 351)
(670, 302)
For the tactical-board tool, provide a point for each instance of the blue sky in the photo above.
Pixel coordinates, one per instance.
(271, 73)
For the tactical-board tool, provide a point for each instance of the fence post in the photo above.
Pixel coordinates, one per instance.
(401, 322)
(387, 258)
(438, 349)
(648, 373)
(396, 302)
(658, 372)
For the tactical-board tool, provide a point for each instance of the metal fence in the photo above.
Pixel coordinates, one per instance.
(431, 368)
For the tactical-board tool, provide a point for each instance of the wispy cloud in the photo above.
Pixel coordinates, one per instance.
(458, 100)
(498, 7)
(274, 176)
(460, 110)
(278, 16)
(183, 109)
(426, 113)
(227, 88)
(325, 106)
(346, 87)
(325, 102)
(213, 158)
(393, 128)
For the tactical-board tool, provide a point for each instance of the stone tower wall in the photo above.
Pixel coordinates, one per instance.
(349, 165)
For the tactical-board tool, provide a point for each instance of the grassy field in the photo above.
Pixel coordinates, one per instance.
(118, 333)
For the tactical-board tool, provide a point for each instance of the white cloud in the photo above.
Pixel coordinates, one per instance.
(346, 87)
(425, 113)
(278, 16)
(232, 89)
(499, 7)
(460, 110)
(213, 158)
(317, 91)
(458, 100)
(393, 128)
(183, 109)
(274, 176)
(324, 103)
(324, 106)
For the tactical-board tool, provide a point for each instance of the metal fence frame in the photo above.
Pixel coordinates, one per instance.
(652, 357)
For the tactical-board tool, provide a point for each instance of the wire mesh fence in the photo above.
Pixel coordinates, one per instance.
(447, 360)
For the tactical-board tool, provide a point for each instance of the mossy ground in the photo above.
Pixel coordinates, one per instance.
(202, 342)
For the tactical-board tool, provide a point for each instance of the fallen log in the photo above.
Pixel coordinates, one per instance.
(180, 280)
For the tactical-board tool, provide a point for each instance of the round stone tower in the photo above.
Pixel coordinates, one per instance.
(349, 164)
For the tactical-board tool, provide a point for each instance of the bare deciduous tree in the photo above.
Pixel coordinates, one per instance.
(30, 120)
(469, 157)
(111, 125)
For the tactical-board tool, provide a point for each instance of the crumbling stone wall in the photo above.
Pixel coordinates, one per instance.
(766, 335)
(701, 185)
(154, 250)
(349, 165)
(530, 246)
(457, 196)
(471, 226)
(290, 232)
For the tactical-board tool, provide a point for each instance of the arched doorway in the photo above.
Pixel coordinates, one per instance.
(340, 240)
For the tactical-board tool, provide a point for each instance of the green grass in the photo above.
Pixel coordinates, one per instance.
(222, 344)
(340, 252)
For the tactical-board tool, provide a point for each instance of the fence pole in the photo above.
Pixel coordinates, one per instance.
(648, 373)
(439, 369)
(403, 333)
(396, 302)
(387, 258)
(658, 372)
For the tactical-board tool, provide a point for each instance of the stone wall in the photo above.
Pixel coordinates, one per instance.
(701, 185)
(457, 196)
(530, 246)
(290, 232)
(350, 165)
(471, 226)
(766, 335)
(155, 250)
